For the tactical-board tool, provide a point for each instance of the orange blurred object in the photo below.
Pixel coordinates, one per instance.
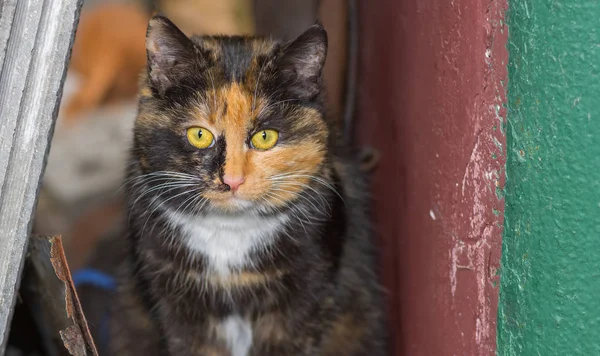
(109, 53)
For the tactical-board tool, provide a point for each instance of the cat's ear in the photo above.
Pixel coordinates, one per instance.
(172, 56)
(302, 62)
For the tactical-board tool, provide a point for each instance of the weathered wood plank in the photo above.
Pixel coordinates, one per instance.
(35, 41)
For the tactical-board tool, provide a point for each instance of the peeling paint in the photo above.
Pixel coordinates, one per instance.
(454, 254)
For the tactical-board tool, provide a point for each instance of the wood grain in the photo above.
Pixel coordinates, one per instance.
(35, 40)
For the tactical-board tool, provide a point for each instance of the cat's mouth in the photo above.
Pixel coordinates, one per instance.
(229, 202)
(252, 195)
(245, 197)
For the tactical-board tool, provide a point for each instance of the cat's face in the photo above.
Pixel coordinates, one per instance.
(231, 123)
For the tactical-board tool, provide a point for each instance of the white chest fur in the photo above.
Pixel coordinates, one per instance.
(237, 333)
(227, 240)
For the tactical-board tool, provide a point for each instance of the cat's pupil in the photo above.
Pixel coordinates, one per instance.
(199, 133)
(264, 135)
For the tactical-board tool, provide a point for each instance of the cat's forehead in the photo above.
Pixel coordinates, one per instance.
(230, 100)
(236, 44)
(229, 105)
(238, 58)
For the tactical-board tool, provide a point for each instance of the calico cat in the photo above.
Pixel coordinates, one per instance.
(248, 224)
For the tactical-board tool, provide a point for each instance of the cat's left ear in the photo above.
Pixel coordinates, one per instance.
(302, 62)
(172, 56)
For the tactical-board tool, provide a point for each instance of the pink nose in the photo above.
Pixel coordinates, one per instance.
(233, 182)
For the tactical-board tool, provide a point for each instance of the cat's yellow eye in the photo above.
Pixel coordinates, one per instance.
(265, 139)
(200, 137)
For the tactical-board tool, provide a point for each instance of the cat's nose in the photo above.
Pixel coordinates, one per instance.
(233, 182)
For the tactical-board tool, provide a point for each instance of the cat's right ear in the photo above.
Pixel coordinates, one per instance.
(172, 56)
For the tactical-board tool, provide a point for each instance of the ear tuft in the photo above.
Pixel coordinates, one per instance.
(303, 60)
(171, 54)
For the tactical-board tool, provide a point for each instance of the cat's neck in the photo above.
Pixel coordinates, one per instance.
(228, 242)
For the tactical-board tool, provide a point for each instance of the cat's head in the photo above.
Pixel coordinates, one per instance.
(231, 123)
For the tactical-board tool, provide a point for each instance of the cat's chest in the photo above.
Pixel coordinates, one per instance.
(228, 241)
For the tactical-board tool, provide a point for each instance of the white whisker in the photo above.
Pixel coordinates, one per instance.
(312, 177)
(298, 184)
(161, 204)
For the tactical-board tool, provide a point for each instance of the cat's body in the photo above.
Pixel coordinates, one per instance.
(238, 249)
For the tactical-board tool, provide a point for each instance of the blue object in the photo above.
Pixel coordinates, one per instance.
(101, 280)
(95, 278)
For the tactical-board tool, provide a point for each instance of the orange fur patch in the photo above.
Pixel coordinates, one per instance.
(346, 330)
(236, 280)
(268, 327)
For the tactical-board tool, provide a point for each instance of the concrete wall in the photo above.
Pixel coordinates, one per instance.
(550, 293)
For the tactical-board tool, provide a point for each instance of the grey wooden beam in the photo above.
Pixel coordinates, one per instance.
(35, 41)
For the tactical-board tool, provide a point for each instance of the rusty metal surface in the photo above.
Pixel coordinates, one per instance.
(35, 39)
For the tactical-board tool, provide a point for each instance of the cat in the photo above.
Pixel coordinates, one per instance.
(249, 229)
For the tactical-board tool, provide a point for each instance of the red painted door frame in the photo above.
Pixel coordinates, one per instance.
(430, 98)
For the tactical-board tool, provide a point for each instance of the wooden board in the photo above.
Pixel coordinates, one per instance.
(35, 41)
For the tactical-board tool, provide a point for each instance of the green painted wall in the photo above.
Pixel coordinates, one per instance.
(550, 276)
